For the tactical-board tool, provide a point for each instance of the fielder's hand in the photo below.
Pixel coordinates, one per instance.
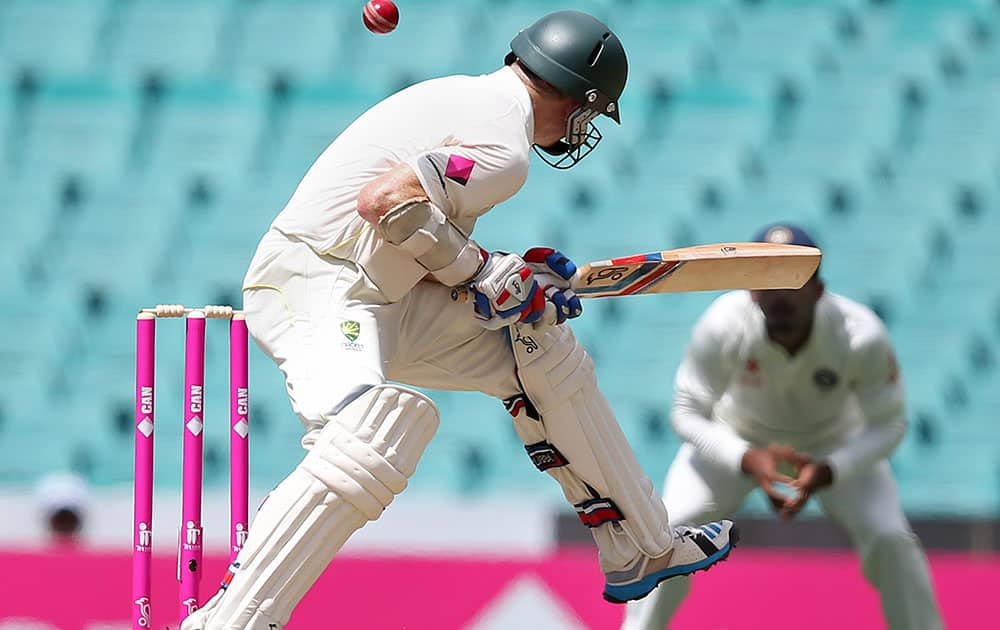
(505, 292)
(813, 476)
(553, 271)
(762, 464)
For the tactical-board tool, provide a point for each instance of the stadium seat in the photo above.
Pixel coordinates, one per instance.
(866, 109)
(679, 36)
(30, 211)
(262, 52)
(205, 130)
(475, 435)
(238, 218)
(764, 44)
(60, 37)
(7, 110)
(45, 335)
(169, 40)
(81, 127)
(29, 454)
(904, 43)
(388, 63)
(872, 124)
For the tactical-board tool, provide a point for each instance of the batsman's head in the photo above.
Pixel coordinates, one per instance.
(788, 311)
(580, 57)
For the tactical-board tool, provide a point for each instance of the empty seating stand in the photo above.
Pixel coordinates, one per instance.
(146, 145)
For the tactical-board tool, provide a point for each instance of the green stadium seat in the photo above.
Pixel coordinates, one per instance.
(766, 43)
(22, 395)
(7, 111)
(679, 37)
(29, 210)
(871, 124)
(475, 435)
(861, 109)
(79, 127)
(172, 40)
(205, 130)
(238, 218)
(52, 36)
(121, 223)
(40, 336)
(262, 52)
(29, 454)
(434, 42)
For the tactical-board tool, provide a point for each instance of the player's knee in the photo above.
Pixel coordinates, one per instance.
(315, 405)
(367, 452)
(883, 548)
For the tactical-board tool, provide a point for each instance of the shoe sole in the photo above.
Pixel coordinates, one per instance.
(638, 590)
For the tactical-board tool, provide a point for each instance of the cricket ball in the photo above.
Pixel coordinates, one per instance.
(380, 16)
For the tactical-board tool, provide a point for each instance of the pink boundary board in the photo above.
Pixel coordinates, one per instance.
(763, 589)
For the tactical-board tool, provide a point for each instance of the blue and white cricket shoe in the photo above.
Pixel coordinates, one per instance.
(695, 549)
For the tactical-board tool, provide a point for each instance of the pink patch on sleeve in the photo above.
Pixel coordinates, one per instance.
(459, 169)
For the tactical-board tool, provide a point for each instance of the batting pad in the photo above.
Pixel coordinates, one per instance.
(360, 461)
(571, 433)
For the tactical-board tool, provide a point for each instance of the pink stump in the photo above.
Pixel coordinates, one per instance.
(189, 568)
(142, 518)
(239, 461)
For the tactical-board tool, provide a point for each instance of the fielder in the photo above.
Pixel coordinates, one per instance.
(805, 378)
(349, 294)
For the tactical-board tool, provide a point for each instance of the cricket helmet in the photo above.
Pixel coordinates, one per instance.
(578, 55)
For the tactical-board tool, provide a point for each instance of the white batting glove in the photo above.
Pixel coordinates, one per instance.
(553, 271)
(504, 292)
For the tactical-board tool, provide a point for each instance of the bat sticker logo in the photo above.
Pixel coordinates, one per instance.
(606, 273)
(728, 249)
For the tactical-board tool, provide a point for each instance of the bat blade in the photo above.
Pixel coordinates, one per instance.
(716, 267)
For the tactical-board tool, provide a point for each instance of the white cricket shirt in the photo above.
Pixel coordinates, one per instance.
(840, 396)
(467, 138)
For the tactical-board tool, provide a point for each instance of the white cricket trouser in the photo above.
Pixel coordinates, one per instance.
(866, 505)
(333, 336)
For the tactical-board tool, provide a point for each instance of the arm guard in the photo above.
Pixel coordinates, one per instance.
(421, 229)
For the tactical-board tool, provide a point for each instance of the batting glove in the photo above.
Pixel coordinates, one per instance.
(553, 271)
(505, 292)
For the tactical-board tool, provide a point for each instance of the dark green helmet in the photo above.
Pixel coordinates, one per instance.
(579, 56)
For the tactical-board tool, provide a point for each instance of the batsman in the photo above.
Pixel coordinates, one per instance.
(349, 293)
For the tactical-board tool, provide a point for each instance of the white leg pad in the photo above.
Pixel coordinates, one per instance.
(572, 434)
(360, 461)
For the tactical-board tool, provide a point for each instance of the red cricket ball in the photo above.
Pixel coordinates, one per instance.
(380, 16)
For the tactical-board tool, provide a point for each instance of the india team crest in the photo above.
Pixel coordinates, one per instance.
(351, 329)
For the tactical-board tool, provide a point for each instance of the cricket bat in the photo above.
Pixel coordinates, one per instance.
(716, 267)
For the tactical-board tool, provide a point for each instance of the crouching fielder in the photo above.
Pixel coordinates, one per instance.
(804, 378)
(349, 294)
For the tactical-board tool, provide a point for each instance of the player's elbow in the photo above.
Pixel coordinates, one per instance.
(374, 200)
(388, 190)
(684, 417)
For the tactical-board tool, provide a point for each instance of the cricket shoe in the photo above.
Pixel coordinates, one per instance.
(695, 549)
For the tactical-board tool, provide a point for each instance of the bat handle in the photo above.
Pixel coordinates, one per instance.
(460, 294)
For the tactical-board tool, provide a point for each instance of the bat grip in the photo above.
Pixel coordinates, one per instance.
(460, 294)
